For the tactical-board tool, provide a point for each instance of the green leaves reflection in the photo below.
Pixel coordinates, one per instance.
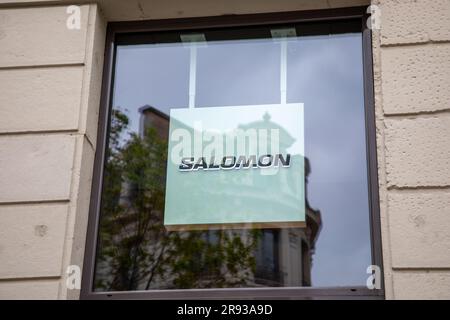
(135, 252)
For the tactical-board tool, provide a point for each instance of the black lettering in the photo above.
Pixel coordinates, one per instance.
(263, 164)
(230, 162)
(212, 165)
(284, 162)
(231, 165)
(201, 163)
(186, 164)
(243, 162)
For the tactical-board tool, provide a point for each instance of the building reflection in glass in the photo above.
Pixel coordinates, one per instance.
(135, 252)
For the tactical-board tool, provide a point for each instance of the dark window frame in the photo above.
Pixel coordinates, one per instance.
(120, 32)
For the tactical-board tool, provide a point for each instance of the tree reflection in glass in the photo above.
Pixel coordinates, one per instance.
(135, 252)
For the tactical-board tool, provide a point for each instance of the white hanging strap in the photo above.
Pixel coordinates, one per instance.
(282, 35)
(283, 71)
(193, 41)
(192, 75)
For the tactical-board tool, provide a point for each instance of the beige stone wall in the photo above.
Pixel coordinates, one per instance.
(50, 78)
(122, 10)
(412, 97)
(50, 87)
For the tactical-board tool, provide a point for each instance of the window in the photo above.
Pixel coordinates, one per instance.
(154, 73)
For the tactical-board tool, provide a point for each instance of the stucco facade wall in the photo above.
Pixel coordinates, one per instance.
(412, 97)
(50, 78)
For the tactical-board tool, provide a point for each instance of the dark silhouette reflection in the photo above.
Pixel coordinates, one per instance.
(135, 252)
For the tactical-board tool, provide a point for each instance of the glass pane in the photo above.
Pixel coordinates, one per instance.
(232, 73)
(137, 252)
(326, 74)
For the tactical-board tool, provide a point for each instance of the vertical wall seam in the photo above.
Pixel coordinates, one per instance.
(78, 156)
(381, 159)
